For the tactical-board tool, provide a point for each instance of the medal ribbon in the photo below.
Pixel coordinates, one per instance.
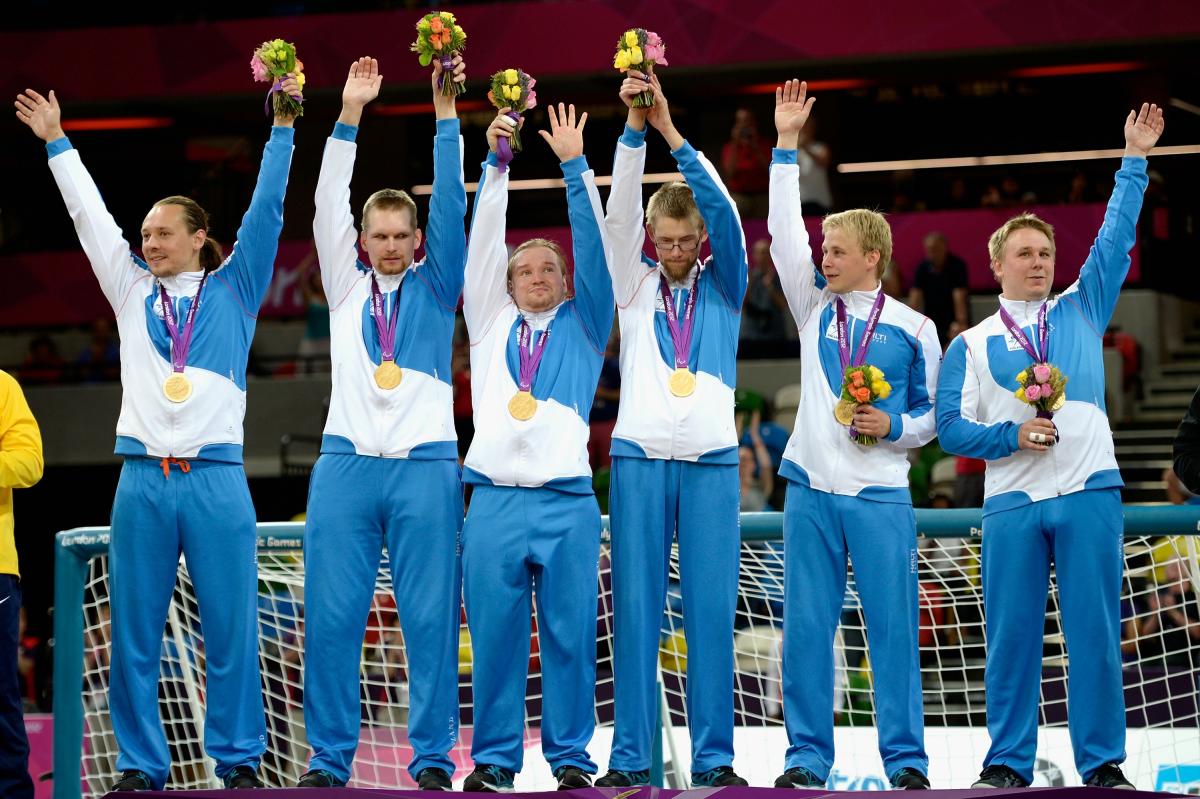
(681, 333)
(386, 326)
(181, 341)
(1017, 333)
(843, 338)
(529, 360)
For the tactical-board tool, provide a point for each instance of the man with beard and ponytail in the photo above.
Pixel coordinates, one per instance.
(533, 526)
(1052, 486)
(675, 446)
(388, 472)
(186, 318)
(847, 470)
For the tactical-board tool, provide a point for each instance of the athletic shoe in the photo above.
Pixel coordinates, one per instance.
(719, 777)
(1000, 777)
(434, 779)
(909, 779)
(1109, 776)
(489, 779)
(799, 778)
(319, 779)
(132, 780)
(571, 777)
(615, 778)
(243, 777)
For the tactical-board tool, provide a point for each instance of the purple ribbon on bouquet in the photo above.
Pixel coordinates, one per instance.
(681, 334)
(864, 343)
(277, 86)
(529, 360)
(1018, 334)
(386, 326)
(447, 61)
(181, 341)
(504, 153)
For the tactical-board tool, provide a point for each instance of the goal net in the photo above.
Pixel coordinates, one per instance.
(1161, 653)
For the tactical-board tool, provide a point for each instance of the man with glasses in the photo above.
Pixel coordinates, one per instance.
(674, 449)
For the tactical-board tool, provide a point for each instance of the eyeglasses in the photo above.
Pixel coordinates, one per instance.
(686, 244)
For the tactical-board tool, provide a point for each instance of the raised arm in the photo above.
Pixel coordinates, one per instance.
(103, 243)
(446, 243)
(589, 238)
(252, 262)
(485, 290)
(1108, 261)
(726, 237)
(21, 460)
(333, 222)
(625, 213)
(790, 247)
(917, 426)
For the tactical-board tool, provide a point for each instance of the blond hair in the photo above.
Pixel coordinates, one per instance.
(676, 201)
(869, 230)
(1021, 221)
(390, 200)
(553, 246)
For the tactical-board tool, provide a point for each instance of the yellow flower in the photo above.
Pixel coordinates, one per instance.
(635, 55)
(510, 77)
(631, 38)
(300, 80)
(1020, 393)
(876, 374)
(1022, 376)
(622, 59)
(460, 33)
(447, 16)
(881, 389)
(510, 92)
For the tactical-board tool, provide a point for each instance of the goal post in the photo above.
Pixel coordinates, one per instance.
(1162, 669)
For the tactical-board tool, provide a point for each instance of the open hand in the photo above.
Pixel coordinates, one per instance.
(565, 136)
(1142, 129)
(791, 112)
(42, 115)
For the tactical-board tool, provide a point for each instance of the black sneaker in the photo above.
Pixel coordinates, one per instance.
(799, 778)
(719, 777)
(489, 779)
(615, 778)
(572, 777)
(132, 780)
(243, 777)
(1109, 776)
(319, 779)
(999, 777)
(909, 779)
(434, 779)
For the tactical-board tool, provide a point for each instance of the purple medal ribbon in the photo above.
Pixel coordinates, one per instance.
(529, 360)
(1043, 342)
(383, 324)
(681, 333)
(504, 153)
(864, 343)
(181, 341)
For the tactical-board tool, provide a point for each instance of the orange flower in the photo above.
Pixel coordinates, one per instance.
(436, 25)
(446, 36)
(856, 378)
(436, 42)
(491, 97)
(862, 394)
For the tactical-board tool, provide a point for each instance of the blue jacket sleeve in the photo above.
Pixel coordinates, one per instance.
(252, 262)
(1108, 261)
(957, 400)
(591, 251)
(446, 245)
(726, 237)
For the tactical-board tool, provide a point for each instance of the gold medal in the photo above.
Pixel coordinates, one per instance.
(682, 383)
(387, 375)
(522, 406)
(177, 388)
(844, 412)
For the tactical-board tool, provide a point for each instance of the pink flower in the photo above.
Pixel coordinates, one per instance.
(1041, 373)
(1047, 390)
(258, 68)
(532, 82)
(655, 50)
(1032, 393)
(531, 100)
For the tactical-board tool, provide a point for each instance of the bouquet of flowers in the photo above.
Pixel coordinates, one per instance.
(861, 385)
(440, 36)
(271, 63)
(1043, 386)
(640, 49)
(513, 88)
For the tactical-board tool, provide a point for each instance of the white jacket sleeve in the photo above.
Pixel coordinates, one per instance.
(791, 250)
(333, 224)
(485, 292)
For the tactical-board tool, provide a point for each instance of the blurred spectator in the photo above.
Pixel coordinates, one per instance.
(1187, 447)
(29, 649)
(814, 160)
(100, 361)
(745, 163)
(1131, 359)
(755, 470)
(891, 283)
(606, 403)
(968, 482)
(941, 483)
(43, 364)
(939, 288)
(314, 346)
(1165, 626)
(1081, 190)
(957, 196)
(765, 310)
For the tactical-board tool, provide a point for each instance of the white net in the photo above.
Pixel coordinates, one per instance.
(1161, 646)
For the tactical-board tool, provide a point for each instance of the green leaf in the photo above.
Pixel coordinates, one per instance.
(426, 59)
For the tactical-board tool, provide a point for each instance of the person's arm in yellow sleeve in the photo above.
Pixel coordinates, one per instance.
(20, 440)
